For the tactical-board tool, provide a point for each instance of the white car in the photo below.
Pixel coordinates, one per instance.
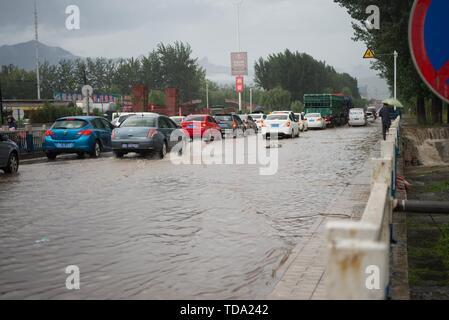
(370, 117)
(259, 118)
(178, 120)
(303, 126)
(357, 117)
(282, 125)
(315, 121)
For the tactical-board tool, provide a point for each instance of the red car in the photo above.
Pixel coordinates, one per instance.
(203, 126)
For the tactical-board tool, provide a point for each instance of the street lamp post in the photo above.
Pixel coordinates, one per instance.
(238, 3)
(395, 73)
(251, 100)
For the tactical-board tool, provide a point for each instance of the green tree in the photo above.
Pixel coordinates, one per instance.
(391, 36)
(297, 106)
(277, 99)
(299, 74)
(156, 97)
(180, 70)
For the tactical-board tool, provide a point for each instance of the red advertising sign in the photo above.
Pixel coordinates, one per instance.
(239, 84)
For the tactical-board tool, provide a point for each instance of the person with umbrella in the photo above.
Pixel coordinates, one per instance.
(385, 114)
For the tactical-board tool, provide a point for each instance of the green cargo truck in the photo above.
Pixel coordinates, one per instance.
(333, 108)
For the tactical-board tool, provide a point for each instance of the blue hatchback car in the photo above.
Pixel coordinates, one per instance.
(80, 135)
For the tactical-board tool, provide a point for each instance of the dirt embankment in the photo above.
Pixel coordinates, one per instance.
(425, 146)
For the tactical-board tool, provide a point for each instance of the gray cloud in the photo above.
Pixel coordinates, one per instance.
(119, 28)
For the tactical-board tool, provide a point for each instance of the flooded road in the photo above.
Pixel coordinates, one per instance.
(147, 229)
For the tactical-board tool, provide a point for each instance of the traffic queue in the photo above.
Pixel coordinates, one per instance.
(151, 133)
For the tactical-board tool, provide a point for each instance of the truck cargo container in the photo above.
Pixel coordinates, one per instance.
(333, 108)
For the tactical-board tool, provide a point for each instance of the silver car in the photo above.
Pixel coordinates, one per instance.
(9, 155)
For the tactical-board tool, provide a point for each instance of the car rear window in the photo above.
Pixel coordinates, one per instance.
(256, 116)
(137, 122)
(70, 124)
(123, 118)
(195, 118)
(223, 118)
(278, 117)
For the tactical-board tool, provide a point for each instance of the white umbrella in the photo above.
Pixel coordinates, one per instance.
(393, 102)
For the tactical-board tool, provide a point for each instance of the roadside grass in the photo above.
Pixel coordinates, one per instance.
(438, 187)
(430, 260)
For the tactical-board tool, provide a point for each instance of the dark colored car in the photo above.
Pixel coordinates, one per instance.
(249, 123)
(9, 155)
(78, 135)
(231, 124)
(146, 134)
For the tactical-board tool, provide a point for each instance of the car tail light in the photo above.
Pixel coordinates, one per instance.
(262, 123)
(203, 124)
(234, 125)
(319, 119)
(288, 124)
(49, 133)
(113, 135)
(152, 133)
(85, 132)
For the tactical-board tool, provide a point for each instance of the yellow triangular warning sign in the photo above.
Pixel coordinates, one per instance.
(369, 54)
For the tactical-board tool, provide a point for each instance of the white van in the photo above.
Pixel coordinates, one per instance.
(357, 117)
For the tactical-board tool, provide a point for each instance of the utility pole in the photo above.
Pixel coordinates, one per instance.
(1, 104)
(207, 94)
(36, 34)
(250, 100)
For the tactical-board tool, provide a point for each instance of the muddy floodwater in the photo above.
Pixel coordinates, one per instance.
(147, 229)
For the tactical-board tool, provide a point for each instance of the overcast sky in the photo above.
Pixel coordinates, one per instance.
(119, 28)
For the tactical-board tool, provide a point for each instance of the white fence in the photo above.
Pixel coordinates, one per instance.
(359, 251)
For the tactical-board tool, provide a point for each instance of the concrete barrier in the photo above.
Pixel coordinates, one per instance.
(358, 265)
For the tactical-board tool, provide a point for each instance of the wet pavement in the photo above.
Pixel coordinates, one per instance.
(148, 229)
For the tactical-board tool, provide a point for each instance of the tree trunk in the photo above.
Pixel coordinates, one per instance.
(421, 110)
(437, 110)
(447, 108)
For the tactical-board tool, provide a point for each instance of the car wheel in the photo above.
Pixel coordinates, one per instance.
(118, 154)
(51, 156)
(96, 151)
(13, 164)
(163, 151)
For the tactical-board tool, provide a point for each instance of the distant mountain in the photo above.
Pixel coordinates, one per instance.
(23, 54)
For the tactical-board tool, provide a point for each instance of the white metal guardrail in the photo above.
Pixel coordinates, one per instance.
(359, 251)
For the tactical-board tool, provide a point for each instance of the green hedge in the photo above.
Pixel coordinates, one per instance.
(49, 113)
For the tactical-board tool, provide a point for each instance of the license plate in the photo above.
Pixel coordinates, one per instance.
(190, 127)
(275, 126)
(130, 146)
(65, 145)
(311, 120)
(356, 119)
